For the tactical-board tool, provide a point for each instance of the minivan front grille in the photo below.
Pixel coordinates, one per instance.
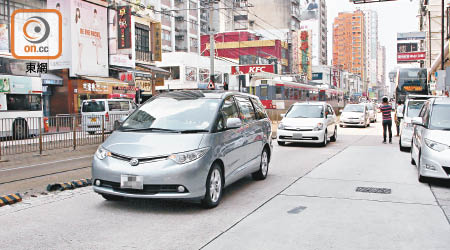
(148, 189)
(141, 160)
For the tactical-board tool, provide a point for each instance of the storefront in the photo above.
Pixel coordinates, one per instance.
(97, 88)
(49, 82)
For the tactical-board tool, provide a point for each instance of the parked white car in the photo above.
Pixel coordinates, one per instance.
(110, 110)
(412, 107)
(431, 140)
(313, 122)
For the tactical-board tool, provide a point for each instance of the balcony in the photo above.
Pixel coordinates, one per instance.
(144, 56)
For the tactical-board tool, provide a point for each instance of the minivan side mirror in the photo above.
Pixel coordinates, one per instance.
(282, 115)
(417, 121)
(234, 123)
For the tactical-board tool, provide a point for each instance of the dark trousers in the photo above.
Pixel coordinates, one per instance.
(397, 125)
(387, 125)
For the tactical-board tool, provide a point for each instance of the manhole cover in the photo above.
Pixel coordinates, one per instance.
(296, 210)
(373, 190)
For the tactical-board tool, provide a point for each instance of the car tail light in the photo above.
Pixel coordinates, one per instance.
(107, 117)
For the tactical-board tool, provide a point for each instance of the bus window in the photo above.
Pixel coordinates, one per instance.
(264, 91)
(23, 102)
(278, 93)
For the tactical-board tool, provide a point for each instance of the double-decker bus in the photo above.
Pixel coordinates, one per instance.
(20, 106)
(411, 81)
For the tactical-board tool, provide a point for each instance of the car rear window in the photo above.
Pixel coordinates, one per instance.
(93, 106)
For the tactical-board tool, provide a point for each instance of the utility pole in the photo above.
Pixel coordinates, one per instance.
(211, 42)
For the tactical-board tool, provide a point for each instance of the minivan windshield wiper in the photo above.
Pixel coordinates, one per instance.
(192, 131)
(149, 129)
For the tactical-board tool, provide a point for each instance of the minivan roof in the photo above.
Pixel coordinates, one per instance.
(211, 94)
(97, 100)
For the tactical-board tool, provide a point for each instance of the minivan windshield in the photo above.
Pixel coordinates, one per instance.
(173, 114)
(354, 108)
(414, 108)
(440, 118)
(305, 111)
(93, 106)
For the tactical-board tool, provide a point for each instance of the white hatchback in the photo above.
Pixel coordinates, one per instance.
(313, 122)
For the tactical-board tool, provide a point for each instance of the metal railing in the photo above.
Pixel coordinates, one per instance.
(39, 134)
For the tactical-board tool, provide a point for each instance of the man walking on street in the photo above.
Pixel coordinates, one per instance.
(386, 110)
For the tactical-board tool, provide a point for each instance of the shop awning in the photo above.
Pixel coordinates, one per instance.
(151, 68)
(51, 79)
(107, 80)
(136, 71)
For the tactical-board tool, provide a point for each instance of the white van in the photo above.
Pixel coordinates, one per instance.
(112, 110)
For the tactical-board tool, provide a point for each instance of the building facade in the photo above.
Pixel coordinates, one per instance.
(371, 28)
(349, 44)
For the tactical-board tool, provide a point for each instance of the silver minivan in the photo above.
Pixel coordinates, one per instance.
(185, 145)
(110, 110)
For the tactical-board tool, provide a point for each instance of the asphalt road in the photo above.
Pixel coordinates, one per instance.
(308, 201)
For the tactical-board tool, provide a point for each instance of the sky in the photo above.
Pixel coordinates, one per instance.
(393, 17)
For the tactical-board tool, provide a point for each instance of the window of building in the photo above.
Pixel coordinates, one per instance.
(193, 43)
(193, 8)
(142, 40)
(174, 72)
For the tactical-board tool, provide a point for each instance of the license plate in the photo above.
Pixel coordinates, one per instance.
(132, 181)
(94, 119)
(297, 136)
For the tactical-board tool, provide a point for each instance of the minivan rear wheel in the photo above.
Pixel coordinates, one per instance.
(214, 187)
(261, 174)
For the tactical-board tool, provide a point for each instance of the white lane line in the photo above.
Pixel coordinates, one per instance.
(46, 163)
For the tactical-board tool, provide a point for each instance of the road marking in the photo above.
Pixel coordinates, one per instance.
(46, 163)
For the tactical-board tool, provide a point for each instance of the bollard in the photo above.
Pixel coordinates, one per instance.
(40, 135)
(74, 132)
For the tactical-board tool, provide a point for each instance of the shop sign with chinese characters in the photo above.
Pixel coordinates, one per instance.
(93, 87)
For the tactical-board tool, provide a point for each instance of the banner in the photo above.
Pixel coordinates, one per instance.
(89, 39)
(124, 27)
(252, 69)
(63, 62)
(157, 50)
(117, 56)
(4, 43)
(411, 57)
(305, 54)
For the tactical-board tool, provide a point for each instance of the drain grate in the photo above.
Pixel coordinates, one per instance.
(374, 190)
(296, 210)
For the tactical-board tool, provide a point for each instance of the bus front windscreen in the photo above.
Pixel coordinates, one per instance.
(412, 80)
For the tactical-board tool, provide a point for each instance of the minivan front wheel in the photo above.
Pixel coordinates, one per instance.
(214, 187)
(261, 174)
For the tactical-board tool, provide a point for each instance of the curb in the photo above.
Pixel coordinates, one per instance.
(10, 199)
(69, 185)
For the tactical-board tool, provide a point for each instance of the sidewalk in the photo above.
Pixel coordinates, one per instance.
(323, 210)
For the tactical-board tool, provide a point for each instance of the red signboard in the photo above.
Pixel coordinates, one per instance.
(410, 57)
(251, 69)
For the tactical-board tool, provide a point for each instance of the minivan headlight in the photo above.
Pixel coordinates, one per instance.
(436, 145)
(186, 157)
(102, 153)
(281, 126)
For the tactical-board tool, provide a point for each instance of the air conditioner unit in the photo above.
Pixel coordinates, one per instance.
(179, 18)
(179, 37)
